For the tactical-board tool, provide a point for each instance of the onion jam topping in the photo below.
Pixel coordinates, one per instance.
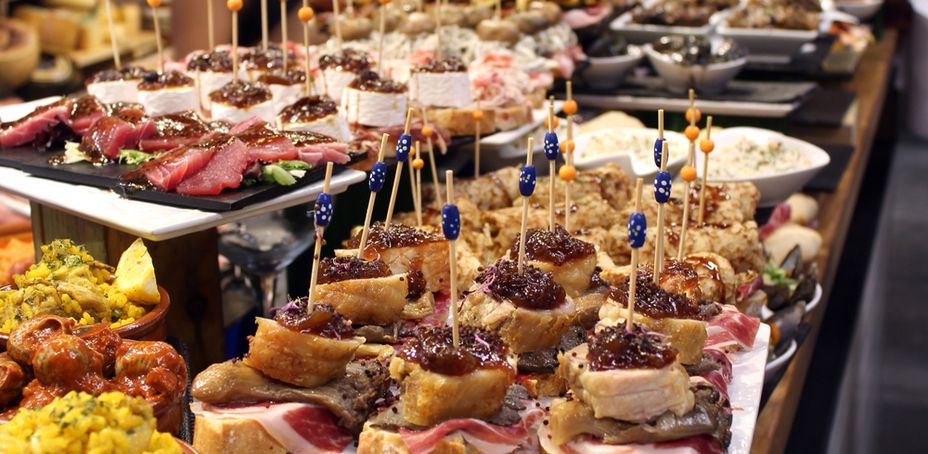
(532, 289)
(112, 75)
(617, 348)
(241, 94)
(557, 247)
(655, 302)
(86, 105)
(371, 81)
(416, 286)
(349, 60)
(218, 61)
(158, 81)
(321, 320)
(433, 349)
(293, 76)
(308, 108)
(447, 65)
(399, 235)
(337, 269)
(264, 60)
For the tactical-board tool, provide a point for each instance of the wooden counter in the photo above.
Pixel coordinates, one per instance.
(836, 208)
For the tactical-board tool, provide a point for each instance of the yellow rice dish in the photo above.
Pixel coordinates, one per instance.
(81, 423)
(69, 282)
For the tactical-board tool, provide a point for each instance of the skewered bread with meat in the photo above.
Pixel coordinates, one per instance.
(303, 346)
(570, 261)
(405, 249)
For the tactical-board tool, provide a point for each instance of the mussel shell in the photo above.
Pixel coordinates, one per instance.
(610, 44)
(787, 321)
(805, 288)
(777, 296)
(792, 263)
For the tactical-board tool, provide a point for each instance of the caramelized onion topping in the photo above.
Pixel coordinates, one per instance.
(532, 289)
(159, 81)
(447, 65)
(399, 235)
(416, 285)
(655, 302)
(371, 81)
(556, 247)
(321, 320)
(219, 61)
(308, 108)
(241, 94)
(617, 348)
(337, 269)
(349, 60)
(124, 73)
(433, 349)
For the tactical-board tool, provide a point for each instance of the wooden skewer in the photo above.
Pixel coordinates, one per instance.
(659, 249)
(337, 21)
(306, 14)
(234, 6)
(154, 4)
(396, 180)
(264, 25)
(317, 248)
(569, 157)
(660, 124)
(688, 182)
(383, 30)
(478, 118)
(438, 202)
(633, 280)
(210, 27)
(109, 21)
(528, 162)
(370, 201)
(283, 33)
(552, 171)
(452, 259)
(413, 180)
(437, 29)
(499, 9)
(705, 173)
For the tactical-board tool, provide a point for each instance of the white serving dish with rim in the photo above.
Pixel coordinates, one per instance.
(635, 155)
(678, 78)
(773, 187)
(862, 10)
(604, 73)
(645, 33)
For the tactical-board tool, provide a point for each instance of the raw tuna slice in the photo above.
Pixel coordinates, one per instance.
(84, 112)
(318, 149)
(169, 169)
(174, 130)
(245, 125)
(266, 144)
(223, 171)
(108, 135)
(35, 125)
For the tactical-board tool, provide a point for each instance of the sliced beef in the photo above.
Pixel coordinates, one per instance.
(85, 111)
(108, 135)
(174, 130)
(35, 126)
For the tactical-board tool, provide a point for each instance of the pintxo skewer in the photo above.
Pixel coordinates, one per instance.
(109, 23)
(688, 172)
(283, 35)
(210, 27)
(527, 177)
(478, 117)
(322, 215)
(662, 186)
(568, 172)
(306, 14)
(403, 145)
(415, 180)
(451, 228)
(375, 181)
(637, 232)
(427, 132)
(154, 4)
(706, 146)
(264, 25)
(336, 21)
(551, 148)
(383, 31)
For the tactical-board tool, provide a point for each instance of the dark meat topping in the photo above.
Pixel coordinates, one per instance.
(130, 112)
(321, 320)
(432, 348)
(447, 65)
(308, 108)
(371, 81)
(264, 60)
(159, 81)
(655, 302)
(180, 124)
(85, 105)
(337, 269)
(416, 285)
(399, 235)
(617, 348)
(241, 94)
(532, 289)
(293, 76)
(556, 247)
(112, 75)
(219, 61)
(349, 60)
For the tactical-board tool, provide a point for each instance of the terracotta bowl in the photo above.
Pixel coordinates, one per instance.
(19, 55)
(150, 327)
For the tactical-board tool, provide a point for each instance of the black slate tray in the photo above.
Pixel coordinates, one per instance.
(108, 177)
(774, 92)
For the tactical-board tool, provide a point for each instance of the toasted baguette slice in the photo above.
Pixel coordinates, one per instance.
(685, 335)
(233, 436)
(459, 121)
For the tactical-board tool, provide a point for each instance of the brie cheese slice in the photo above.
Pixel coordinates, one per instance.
(263, 110)
(332, 125)
(445, 89)
(169, 100)
(112, 91)
(370, 108)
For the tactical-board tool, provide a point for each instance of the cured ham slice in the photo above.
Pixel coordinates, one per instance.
(36, 124)
(108, 135)
(422, 441)
(84, 112)
(301, 428)
(174, 130)
(223, 171)
(721, 376)
(731, 330)
(264, 143)
(316, 149)
(702, 444)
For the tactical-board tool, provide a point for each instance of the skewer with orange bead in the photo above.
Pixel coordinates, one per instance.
(551, 149)
(706, 146)
(403, 145)
(306, 14)
(637, 233)
(427, 132)
(568, 172)
(478, 119)
(154, 4)
(322, 215)
(415, 181)
(234, 6)
(688, 172)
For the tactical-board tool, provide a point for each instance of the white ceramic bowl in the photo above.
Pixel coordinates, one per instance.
(775, 187)
(767, 42)
(646, 33)
(639, 141)
(862, 10)
(766, 313)
(778, 364)
(678, 78)
(604, 73)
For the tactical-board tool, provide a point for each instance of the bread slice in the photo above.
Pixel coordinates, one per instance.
(233, 436)
(512, 117)
(459, 121)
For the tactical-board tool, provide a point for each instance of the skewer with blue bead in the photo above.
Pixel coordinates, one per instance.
(637, 233)
(659, 143)
(322, 215)
(662, 183)
(527, 178)
(451, 228)
(403, 145)
(551, 148)
(375, 181)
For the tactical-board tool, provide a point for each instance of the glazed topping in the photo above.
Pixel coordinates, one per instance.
(371, 81)
(308, 108)
(433, 349)
(337, 269)
(85, 105)
(617, 348)
(348, 60)
(556, 247)
(219, 61)
(306, 138)
(241, 94)
(533, 289)
(159, 81)
(129, 112)
(263, 60)
(655, 302)
(447, 65)
(399, 235)
(321, 320)
(293, 76)
(112, 75)
(416, 284)
(181, 124)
